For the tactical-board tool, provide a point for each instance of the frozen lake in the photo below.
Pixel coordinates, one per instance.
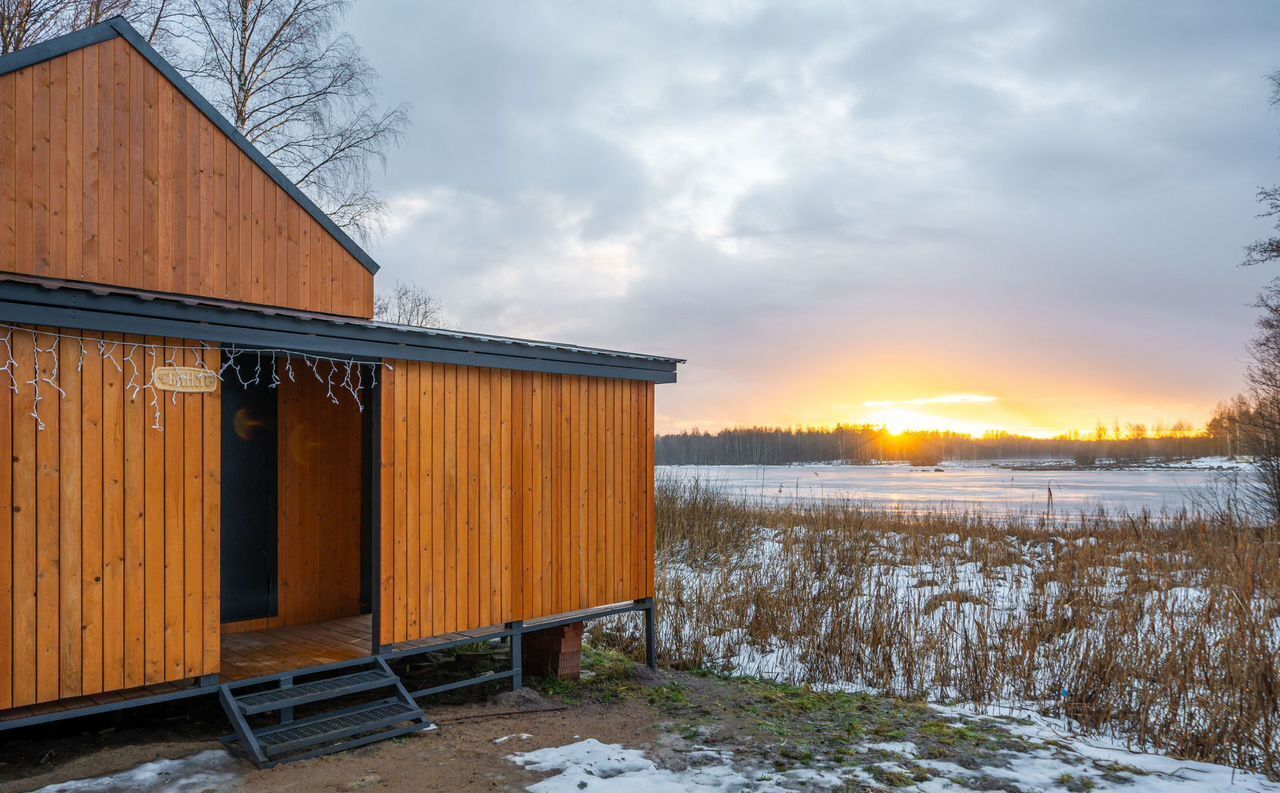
(992, 489)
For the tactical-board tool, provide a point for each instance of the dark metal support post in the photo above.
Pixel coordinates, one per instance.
(374, 473)
(286, 714)
(517, 654)
(650, 636)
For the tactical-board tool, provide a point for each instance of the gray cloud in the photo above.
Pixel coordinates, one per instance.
(783, 190)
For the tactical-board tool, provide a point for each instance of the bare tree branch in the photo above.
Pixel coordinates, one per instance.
(408, 304)
(1267, 249)
(27, 22)
(302, 93)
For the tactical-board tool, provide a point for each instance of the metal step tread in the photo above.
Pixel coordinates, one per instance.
(313, 691)
(331, 727)
(353, 743)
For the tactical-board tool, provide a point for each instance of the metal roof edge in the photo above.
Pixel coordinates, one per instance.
(118, 26)
(57, 47)
(31, 301)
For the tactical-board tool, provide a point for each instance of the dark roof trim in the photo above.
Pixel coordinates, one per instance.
(54, 47)
(26, 303)
(118, 26)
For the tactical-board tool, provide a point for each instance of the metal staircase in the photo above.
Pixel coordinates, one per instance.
(348, 704)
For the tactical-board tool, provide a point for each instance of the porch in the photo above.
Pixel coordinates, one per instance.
(293, 648)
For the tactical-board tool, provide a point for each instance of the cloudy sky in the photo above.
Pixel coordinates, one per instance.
(961, 214)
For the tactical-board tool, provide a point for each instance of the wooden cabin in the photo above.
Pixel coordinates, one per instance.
(224, 478)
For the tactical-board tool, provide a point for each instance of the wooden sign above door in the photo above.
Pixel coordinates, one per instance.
(185, 379)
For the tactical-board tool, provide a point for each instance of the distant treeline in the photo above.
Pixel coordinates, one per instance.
(865, 444)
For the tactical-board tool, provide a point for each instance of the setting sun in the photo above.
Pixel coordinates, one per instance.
(898, 420)
(967, 414)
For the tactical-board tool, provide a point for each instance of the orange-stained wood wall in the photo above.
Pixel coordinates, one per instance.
(510, 496)
(109, 175)
(320, 507)
(505, 495)
(109, 529)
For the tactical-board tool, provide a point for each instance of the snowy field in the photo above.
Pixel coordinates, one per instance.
(993, 489)
(1158, 635)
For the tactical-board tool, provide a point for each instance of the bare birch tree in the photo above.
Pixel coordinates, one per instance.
(408, 304)
(302, 92)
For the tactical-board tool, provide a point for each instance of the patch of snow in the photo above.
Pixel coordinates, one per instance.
(1055, 760)
(523, 736)
(205, 771)
(1065, 753)
(904, 748)
(594, 766)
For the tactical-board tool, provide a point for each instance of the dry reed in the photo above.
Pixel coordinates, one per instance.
(1162, 630)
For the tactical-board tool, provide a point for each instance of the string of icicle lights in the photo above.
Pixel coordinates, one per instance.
(138, 361)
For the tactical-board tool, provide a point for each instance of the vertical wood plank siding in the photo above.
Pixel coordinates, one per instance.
(109, 572)
(319, 514)
(510, 495)
(108, 174)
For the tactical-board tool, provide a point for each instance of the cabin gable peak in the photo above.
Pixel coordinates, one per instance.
(301, 259)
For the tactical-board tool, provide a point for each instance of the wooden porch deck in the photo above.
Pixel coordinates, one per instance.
(267, 652)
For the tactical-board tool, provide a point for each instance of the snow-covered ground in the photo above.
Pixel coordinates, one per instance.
(1057, 761)
(996, 488)
(213, 770)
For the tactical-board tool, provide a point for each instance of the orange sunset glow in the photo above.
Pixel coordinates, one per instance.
(967, 413)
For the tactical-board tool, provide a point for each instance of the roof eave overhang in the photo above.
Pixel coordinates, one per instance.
(31, 304)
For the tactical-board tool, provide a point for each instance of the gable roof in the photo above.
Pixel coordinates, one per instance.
(118, 27)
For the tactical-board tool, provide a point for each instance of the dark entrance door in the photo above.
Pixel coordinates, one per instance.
(249, 496)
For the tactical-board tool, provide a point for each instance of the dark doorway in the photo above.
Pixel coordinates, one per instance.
(249, 501)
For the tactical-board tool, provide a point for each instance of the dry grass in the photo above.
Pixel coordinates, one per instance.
(1163, 630)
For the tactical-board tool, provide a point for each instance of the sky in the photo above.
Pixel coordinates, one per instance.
(953, 215)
